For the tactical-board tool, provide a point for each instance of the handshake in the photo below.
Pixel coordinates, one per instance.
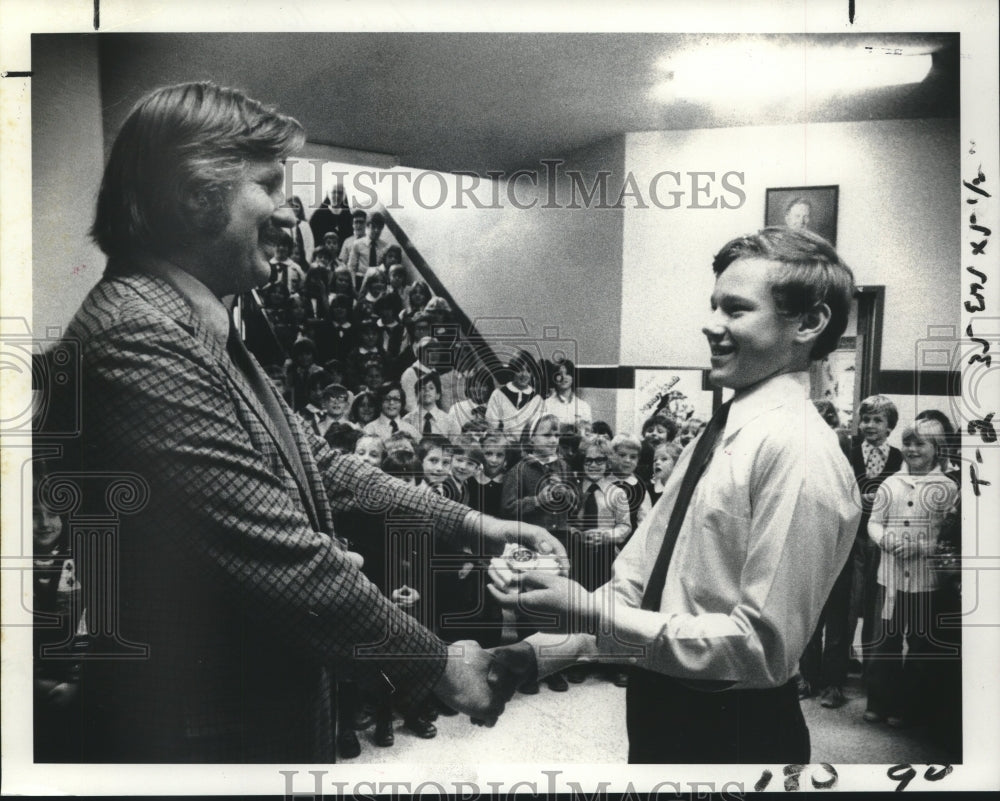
(480, 682)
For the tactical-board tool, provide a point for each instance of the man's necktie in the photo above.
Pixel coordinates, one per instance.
(394, 425)
(264, 392)
(373, 255)
(428, 418)
(875, 462)
(699, 461)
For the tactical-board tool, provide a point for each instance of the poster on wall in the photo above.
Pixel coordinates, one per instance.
(678, 391)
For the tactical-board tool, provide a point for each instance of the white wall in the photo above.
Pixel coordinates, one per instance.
(67, 163)
(898, 225)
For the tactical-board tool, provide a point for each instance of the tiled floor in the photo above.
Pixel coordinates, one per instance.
(586, 725)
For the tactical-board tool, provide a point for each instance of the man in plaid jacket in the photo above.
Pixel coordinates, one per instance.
(231, 573)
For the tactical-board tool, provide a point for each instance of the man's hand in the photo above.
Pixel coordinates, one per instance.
(513, 665)
(466, 685)
(534, 537)
(542, 591)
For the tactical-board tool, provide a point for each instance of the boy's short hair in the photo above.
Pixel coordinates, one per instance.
(478, 427)
(661, 420)
(600, 428)
(622, 442)
(285, 240)
(811, 273)
(401, 464)
(941, 417)
(391, 444)
(359, 214)
(468, 446)
(880, 404)
(323, 252)
(377, 218)
(342, 436)
(428, 378)
(431, 441)
(376, 437)
(398, 268)
(317, 381)
(388, 386)
(335, 390)
(368, 324)
(569, 435)
(304, 345)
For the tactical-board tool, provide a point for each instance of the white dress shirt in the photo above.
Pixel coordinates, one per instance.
(770, 525)
(381, 427)
(441, 422)
(573, 410)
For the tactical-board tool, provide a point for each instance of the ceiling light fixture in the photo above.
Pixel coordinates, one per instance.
(754, 70)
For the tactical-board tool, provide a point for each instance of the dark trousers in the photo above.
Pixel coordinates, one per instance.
(670, 723)
(866, 556)
(825, 660)
(900, 686)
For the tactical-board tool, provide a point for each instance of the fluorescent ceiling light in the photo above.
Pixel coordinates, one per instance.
(753, 70)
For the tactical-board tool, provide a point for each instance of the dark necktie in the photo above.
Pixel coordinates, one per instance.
(301, 243)
(590, 515)
(394, 425)
(699, 461)
(264, 392)
(373, 255)
(428, 418)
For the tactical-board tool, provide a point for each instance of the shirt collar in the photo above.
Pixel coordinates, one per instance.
(867, 447)
(905, 474)
(779, 390)
(518, 391)
(211, 312)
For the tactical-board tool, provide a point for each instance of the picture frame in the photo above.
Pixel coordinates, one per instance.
(812, 207)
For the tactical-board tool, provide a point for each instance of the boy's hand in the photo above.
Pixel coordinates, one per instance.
(541, 591)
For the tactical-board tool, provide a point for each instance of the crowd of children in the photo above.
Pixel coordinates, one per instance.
(365, 371)
(901, 582)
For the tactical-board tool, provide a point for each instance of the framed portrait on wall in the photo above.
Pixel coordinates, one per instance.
(812, 207)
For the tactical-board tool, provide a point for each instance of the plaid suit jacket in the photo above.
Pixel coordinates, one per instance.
(245, 597)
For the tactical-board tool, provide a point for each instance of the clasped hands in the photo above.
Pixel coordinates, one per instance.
(480, 682)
